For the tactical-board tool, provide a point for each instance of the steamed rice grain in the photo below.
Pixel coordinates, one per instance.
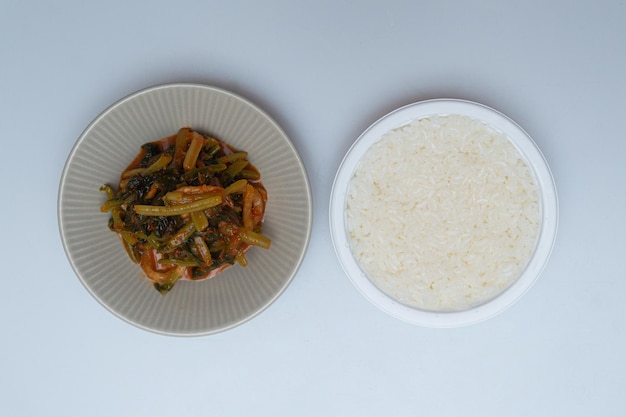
(443, 213)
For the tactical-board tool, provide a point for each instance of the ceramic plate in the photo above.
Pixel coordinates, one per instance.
(108, 145)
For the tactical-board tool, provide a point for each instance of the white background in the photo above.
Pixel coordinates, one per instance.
(324, 70)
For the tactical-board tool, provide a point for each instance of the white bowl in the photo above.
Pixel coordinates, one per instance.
(108, 145)
(548, 206)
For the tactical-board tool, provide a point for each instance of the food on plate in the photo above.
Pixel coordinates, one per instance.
(443, 213)
(187, 207)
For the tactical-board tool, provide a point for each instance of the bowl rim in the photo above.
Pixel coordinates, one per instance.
(548, 204)
(176, 85)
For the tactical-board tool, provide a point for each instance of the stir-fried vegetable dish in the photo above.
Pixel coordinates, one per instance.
(188, 206)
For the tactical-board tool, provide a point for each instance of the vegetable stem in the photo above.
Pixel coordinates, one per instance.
(180, 145)
(202, 250)
(162, 162)
(256, 239)
(191, 156)
(200, 220)
(235, 156)
(179, 238)
(236, 187)
(185, 208)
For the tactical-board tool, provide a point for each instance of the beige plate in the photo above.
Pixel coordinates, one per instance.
(106, 147)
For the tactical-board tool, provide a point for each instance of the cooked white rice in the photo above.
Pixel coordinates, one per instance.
(443, 213)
